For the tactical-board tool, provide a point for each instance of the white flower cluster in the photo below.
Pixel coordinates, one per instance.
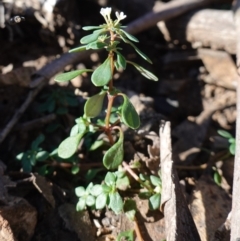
(106, 12)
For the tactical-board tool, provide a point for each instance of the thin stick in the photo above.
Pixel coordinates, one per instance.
(235, 220)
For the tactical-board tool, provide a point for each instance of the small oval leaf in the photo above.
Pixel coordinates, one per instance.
(101, 201)
(147, 74)
(102, 74)
(78, 49)
(116, 202)
(96, 45)
(91, 37)
(129, 115)
(154, 201)
(121, 61)
(129, 36)
(86, 28)
(94, 104)
(70, 75)
(69, 146)
(114, 156)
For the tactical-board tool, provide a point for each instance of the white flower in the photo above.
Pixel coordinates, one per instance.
(120, 16)
(106, 13)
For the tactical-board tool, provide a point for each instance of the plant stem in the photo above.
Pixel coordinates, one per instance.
(137, 230)
(135, 176)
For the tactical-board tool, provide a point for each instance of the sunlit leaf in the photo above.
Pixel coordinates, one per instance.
(123, 183)
(69, 146)
(110, 178)
(90, 200)
(42, 156)
(101, 201)
(96, 45)
(70, 75)
(147, 74)
(96, 190)
(102, 74)
(154, 201)
(80, 191)
(129, 115)
(116, 202)
(86, 28)
(114, 156)
(78, 49)
(224, 134)
(93, 105)
(81, 204)
(156, 181)
(129, 36)
(91, 37)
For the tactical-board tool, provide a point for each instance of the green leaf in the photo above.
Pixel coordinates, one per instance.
(78, 49)
(69, 146)
(81, 204)
(217, 178)
(96, 190)
(130, 209)
(43, 170)
(145, 195)
(90, 200)
(126, 235)
(96, 45)
(123, 183)
(129, 36)
(37, 142)
(121, 61)
(156, 181)
(154, 201)
(147, 74)
(101, 201)
(110, 178)
(144, 56)
(74, 130)
(91, 37)
(20, 156)
(129, 115)
(42, 156)
(80, 191)
(96, 145)
(86, 28)
(114, 156)
(93, 105)
(116, 202)
(70, 75)
(102, 74)
(232, 148)
(224, 134)
(75, 169)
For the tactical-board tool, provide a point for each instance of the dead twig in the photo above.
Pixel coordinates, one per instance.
(30, 125)
(178, 219)
(235, 220)
(167, 11)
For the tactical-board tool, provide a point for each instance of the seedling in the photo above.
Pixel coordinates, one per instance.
(108, 36)
(231, 140)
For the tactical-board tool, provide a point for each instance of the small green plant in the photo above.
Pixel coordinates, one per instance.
(231, 140)
(37, 156)
(109, 36)
(57, 101)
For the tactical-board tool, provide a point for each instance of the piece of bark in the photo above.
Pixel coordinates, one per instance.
(235, 220)
(221, 68)
(204, 28)
(179, 224)
(209, 206)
